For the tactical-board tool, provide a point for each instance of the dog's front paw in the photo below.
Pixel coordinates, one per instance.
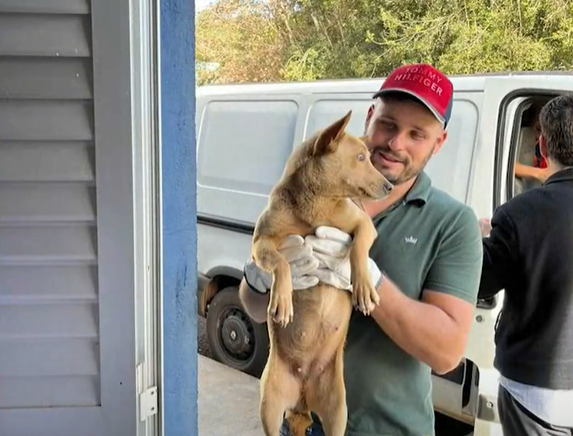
(364, 296)
(280, 307)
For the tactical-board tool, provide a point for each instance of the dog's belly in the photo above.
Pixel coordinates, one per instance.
(311, 341)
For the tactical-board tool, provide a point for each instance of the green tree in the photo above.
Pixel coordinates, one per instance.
(242, 39)
(330, 39)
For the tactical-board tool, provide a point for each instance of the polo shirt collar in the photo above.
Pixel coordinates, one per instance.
(420, 190)
(417, 195)
(565, 175)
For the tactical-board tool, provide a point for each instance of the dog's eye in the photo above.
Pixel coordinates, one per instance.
(361, 157)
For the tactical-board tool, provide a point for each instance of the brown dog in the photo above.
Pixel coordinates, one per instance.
(307, 329)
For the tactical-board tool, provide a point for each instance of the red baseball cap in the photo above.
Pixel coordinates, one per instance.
(424, 82)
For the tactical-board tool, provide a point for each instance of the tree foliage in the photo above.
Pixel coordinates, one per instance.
(242, 38)
(293, 40)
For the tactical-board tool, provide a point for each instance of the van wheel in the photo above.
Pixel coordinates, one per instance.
(236, 340)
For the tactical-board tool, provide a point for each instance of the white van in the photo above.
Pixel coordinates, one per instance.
(245, 134)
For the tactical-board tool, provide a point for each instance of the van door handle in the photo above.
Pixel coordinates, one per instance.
(487, 303)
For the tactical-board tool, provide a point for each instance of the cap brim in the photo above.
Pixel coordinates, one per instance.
(413, 94)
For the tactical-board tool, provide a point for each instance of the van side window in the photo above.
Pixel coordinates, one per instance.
(327, 110)
(243, 145)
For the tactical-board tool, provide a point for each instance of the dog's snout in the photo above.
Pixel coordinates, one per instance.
(386, 185)
(385, 188)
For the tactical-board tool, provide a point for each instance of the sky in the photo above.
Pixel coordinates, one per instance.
(201, 4)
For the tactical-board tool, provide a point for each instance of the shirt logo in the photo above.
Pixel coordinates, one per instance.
(411, 240)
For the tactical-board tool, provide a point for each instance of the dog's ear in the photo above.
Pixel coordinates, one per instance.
(328, 139)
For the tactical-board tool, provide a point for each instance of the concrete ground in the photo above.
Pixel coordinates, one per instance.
(202, 343)
(228, 399)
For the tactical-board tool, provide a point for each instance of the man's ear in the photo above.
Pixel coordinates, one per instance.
(440, 142)
(328, 139)
(368, 118)
(543, 146)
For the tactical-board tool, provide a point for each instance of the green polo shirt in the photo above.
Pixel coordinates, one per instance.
(427, 241)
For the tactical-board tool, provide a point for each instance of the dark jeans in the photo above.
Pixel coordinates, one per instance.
(314, 430)
(516, 420)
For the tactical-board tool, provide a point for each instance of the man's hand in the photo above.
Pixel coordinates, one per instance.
(332, 249)
(324, 256)
(485, 226)
(542, 174)
(302, 263)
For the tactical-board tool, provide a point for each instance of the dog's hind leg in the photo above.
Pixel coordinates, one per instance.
(328, 398)
(280, 391)
(267, 257)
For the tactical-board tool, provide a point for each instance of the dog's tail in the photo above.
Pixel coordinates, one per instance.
(298, 422)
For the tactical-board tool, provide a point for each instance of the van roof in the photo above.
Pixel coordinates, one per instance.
(462, 82)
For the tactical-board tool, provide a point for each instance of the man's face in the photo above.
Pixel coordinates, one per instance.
(402, 136)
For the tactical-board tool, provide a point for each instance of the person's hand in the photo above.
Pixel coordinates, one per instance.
(331, 247)
(485, 226)
(301, 261)
(542, 174)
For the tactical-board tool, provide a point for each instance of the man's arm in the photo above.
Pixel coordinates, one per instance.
(254, 289)
(500, 253)
(254, 303)
(435, 329)
(539, 174)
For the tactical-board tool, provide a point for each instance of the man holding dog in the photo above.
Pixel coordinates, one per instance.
(529, 253)
(427, 260)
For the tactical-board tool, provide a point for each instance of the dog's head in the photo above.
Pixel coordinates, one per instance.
(343, 164)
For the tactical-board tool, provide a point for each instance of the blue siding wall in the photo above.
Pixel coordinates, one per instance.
(177, 45)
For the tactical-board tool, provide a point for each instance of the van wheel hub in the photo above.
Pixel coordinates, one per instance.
(237, 334)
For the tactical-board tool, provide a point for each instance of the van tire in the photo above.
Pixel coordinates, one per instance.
(234, 338)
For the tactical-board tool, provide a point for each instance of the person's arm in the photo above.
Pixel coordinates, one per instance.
(521, 170)
(254, 303)
(500, 253)
(435, 329)
(256, 283)
(531, 172)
